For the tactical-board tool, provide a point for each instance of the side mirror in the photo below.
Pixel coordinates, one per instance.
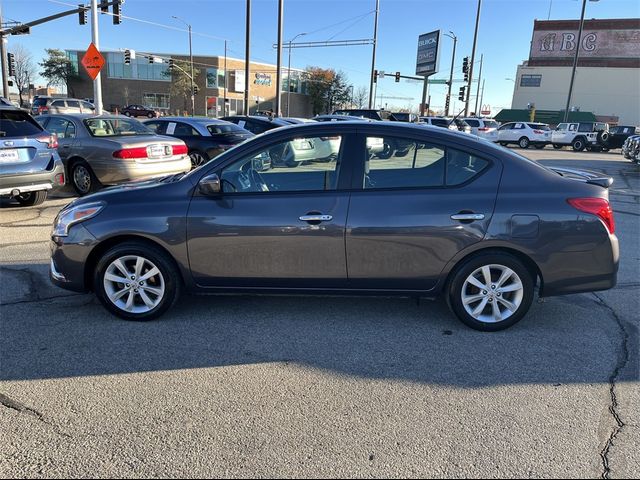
(210, 185)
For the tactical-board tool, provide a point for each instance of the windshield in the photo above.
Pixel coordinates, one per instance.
(218, 129)
(491, 124)
(115, 127)
(39, 101)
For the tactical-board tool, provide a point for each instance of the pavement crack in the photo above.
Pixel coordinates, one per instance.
(21, 408)
(623, 359)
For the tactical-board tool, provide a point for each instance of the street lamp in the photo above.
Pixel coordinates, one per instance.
(289, 72)
(453, 59)
(193, 100)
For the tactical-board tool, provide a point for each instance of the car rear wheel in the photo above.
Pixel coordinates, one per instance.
(29, 199)
(578, 145)
(523, 142)
(150, 115)
(556, 146)
(491, 292)
(504, 144)
(197, 159)
(136, 281)
(539, 146)
(82, 178)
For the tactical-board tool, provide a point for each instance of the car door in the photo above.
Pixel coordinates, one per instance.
(273, 227)
(65, 130)
(504, 132)
(409, 216)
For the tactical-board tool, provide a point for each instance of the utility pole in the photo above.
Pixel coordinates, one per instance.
(3, 54)
(193, 100)
(224, 108)
(425, 86)
(289, 72)
(453, 59)
(482, 94)
(97, 83)
(373, 58)
(478, 92)
(279, 60)
(247, 49)
(575, 62)
(473, 56)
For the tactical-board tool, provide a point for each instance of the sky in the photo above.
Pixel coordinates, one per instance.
(504, 35)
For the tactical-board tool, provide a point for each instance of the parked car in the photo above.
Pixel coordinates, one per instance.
(340, 118)
(484, 128)
(579, 135)
(617, 135)
(138, 111)
(524, 134)
(256, 124)
(102, 150)
(296, 120)
(50, 105)
(206, 138)
(439, 122)
(371, 114)
(29, 164)
(628, 147)
(462, 125)
(405, 117)
(354, 225)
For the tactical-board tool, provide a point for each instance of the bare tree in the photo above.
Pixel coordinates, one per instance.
(25, 70)
(361, 97)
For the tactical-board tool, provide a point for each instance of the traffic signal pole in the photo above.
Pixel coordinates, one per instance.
(478, 92)
(373, 59)
(97, 83)
(247, 53)
(425, 86)
(473, 56)
(3, 55)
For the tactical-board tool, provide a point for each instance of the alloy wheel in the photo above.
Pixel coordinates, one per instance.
(134, 284)
(196, 159)
(82, 178)
(492, 293)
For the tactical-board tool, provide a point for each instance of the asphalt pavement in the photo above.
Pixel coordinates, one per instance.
(291, 386)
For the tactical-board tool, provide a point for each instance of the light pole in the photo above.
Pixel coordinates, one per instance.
(373, 56)
(289, 72)
(453, 59)
(193, 100)
(351, 102)
(473, 57)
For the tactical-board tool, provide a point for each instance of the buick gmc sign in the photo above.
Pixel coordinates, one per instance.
(428, 49)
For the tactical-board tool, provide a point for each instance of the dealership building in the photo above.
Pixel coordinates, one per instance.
(145, 81)
(607, 81)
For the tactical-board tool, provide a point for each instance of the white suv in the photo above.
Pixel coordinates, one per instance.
(484, 128)
(579, 135)
(438, 122)
(524, 134)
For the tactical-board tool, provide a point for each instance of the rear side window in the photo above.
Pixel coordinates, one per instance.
(439, 122)
(73, 103)
(473, 123)
(539, 126)
(491, 124)
(156, 127)
(415, 164)
(17, 124)
(217, 129)
(58, 103)
(585, 127)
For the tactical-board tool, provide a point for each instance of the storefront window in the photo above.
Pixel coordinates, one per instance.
(156, 100)
(215, 78)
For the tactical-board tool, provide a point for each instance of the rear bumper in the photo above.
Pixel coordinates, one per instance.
(120, 171)
(33, 182)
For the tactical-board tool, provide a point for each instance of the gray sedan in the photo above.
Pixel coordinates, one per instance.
(113, 149)
(455, 216)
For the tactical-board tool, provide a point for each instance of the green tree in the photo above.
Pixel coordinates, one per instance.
(58, 69)
(181, 80)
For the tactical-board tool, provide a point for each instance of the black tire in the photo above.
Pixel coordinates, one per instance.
(605, 149)
(524, 142)
(164, 263)
(82, 178)
(30, 199)
(578, 144)
(539, 146)
(557, 146)
(198, 158)
(150, 115)
(460, 275)
(504, 144)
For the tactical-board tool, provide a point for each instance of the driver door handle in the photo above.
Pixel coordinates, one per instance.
(468, 216)
(316, 218)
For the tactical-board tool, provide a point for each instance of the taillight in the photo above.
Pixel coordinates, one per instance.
(483, 129)
(51, 141)
(43, 108)
(125, 153)
(595, 206)
(179, 149)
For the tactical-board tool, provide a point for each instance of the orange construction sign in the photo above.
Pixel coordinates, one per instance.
(93, 61)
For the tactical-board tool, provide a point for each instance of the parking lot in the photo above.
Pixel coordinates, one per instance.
(265, 386)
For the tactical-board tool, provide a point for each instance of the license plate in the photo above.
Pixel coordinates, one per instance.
(155, 151)
(9, 156)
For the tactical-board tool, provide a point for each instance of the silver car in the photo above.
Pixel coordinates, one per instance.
(51, 105)
(111, 149)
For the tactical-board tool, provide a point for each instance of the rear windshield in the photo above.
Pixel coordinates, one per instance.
(217, 129)
(440, 122)
(491, 124)
(17, 124)
(539, 126)
(39, 101)
(115, 127)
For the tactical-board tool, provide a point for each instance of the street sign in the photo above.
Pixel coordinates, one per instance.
(93, 61)
(428, 53)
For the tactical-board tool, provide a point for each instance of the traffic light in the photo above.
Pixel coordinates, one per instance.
(104, 6)
(11, 60)
(461, 94)
(117, 19)
(151, 59)
(195, 89)
(397, 76)
(446, 104)
(465, 65)
(82, 14)
(127, 57)
(375, 76)
(171, 64)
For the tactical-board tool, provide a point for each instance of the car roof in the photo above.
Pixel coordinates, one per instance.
(85, 116)
(198, 120)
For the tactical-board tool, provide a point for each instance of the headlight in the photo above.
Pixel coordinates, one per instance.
(73, 215)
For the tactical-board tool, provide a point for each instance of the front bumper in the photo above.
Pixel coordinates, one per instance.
(69, 256)
(121, 171)
(33, 182)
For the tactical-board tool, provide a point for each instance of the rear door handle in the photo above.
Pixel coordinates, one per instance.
(316, 218)
(468, 216)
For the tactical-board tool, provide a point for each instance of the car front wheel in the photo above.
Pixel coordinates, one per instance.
(491, 292)
(578, 145)
(136, 281)
(523, 142)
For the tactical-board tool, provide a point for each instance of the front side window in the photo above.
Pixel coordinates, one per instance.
(185, 130)
(562, 127)
(156, 127)
(73, 103)
(298, 165)
(506, 126)
(585, 127)
(58, 103)
(417, 164)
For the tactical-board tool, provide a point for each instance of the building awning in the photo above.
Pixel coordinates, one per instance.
(551, 117)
